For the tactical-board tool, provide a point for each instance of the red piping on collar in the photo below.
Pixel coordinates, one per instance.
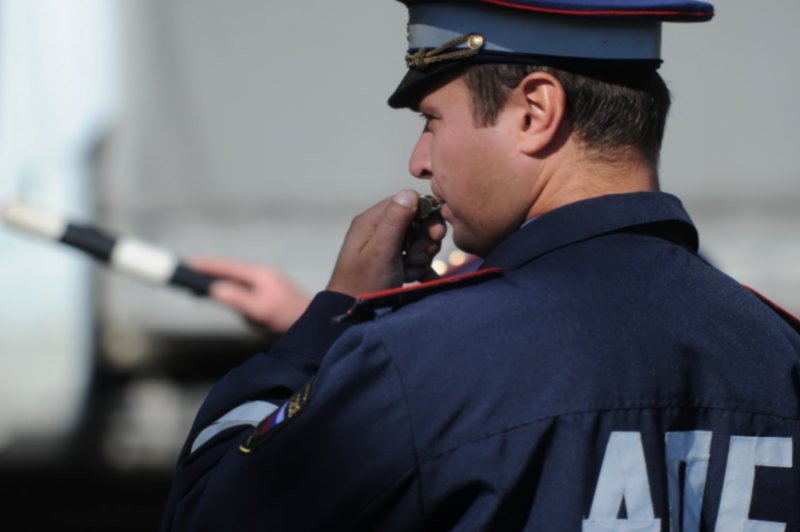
(411, 288)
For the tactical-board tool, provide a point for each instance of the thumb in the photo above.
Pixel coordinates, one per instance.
(396, 218)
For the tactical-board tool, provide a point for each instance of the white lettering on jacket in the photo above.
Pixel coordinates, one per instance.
(623, 479)
(694, 450)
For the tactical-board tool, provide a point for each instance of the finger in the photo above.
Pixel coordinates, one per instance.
(240, 271)
(423, 246)
(434, 227)
(425, 235)
(361, 230)
(235, 295)
(421, 255)
(418, 261)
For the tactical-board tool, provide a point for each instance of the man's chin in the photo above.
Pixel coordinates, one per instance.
(471, 246)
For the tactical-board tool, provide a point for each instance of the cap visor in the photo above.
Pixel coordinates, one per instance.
(417, 83)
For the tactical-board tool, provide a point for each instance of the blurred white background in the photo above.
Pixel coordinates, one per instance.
(256, 130)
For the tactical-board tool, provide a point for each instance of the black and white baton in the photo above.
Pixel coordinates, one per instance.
(127, 255)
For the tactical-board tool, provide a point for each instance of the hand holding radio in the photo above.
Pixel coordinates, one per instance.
(389, 244)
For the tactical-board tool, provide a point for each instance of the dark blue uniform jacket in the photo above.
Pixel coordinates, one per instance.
(608, 379)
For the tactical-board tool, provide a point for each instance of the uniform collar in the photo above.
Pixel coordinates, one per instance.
(655, 213)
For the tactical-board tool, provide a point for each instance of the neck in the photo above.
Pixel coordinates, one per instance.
(584, 176)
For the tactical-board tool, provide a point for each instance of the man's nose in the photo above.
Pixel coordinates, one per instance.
(420, 162)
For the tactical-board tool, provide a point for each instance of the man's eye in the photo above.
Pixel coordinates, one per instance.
(428, 118)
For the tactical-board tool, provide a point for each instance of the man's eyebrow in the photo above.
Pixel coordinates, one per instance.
(424, 109)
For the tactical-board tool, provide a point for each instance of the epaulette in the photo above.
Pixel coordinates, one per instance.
(787, 316)
(366, 305)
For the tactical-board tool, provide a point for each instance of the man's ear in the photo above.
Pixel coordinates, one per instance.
(542, 105)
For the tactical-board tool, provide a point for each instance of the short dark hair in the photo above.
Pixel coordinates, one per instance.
(610, 110)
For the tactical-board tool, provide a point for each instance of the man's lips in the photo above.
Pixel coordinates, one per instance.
(436, 196)
(440, 202)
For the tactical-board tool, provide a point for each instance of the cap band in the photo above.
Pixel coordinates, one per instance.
(525, 32)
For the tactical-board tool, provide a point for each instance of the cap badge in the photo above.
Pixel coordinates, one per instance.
(422, 58)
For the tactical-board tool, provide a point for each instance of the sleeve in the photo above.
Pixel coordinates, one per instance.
(273, 376)
(336, 455)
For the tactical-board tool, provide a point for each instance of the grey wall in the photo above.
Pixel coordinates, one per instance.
(733, 134)
(257, 129)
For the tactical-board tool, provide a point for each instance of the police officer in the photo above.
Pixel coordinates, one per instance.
(593, 374)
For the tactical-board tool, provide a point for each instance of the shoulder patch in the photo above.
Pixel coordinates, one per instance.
(366, 305)
(787, 316)
(279, 417)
